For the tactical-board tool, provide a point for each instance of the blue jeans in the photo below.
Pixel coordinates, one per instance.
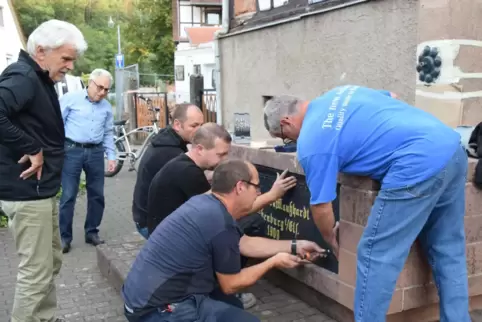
(143, 231)
(433, 211)
(198, 308)
(92, 162)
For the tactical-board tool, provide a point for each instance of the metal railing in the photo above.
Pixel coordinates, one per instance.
(209, 105)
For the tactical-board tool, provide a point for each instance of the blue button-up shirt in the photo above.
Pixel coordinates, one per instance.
(88, 122)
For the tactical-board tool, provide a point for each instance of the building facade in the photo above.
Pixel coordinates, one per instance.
(305, 47)
(194, 25)
(193, 13)
(194, 57)
(11, 35)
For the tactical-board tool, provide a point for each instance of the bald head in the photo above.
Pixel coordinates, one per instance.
(182, 111)
(187, 118)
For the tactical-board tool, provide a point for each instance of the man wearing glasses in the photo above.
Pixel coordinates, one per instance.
(422, 169)
(190, 267)
(183, 178)
(88, 122)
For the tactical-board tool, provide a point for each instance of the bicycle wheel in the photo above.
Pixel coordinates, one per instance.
(144, 148)
(119, 146)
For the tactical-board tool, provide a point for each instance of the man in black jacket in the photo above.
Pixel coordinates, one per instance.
(31, 159)
(165, 146)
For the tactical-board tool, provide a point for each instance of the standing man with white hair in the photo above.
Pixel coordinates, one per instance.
(89, 133)
(422, 168)
(31, 158)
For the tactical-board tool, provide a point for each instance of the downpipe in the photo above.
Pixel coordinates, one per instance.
(217, 59)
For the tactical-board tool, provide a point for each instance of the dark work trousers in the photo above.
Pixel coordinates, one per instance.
(91, 160)
(199, 308)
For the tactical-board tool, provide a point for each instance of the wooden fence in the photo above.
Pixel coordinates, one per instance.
(146, 117)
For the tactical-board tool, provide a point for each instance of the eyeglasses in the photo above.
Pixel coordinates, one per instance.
(101, 88)
(256, 186)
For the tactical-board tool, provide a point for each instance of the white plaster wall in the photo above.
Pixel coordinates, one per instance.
(10, 42)
(188, 57)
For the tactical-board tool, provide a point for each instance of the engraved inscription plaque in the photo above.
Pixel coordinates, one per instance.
(290, 217)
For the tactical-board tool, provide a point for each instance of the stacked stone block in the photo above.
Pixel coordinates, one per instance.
(415, 297)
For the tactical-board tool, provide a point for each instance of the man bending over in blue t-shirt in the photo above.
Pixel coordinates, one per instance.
(422, 168)
(197, 247)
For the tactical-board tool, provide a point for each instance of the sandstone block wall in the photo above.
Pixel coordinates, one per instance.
(415, 294)
(415, 297)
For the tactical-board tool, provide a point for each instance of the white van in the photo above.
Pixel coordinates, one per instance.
(69, 84)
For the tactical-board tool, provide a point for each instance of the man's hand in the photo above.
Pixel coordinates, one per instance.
(36, 163)
(282, 184)
(285, 260)
(309, 249)
(333, 240)
(111, 165)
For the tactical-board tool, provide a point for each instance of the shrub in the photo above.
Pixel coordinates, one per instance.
(3, 219)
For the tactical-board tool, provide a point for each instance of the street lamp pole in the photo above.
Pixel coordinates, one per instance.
(118, 40)
(119, 71)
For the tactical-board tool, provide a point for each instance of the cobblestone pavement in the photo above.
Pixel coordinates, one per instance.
(84, 295)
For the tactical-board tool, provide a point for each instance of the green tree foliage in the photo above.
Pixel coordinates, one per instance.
(146, 31)
(151, 21)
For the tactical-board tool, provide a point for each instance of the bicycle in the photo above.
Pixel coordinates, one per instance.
(121, 140)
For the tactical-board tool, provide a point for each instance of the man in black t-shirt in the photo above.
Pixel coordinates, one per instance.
(166, 145)
(198, 247)
(183, 177)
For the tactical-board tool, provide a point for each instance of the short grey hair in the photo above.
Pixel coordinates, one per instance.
(53, 34)
(278, 107)
(98, 72)
(228, 173)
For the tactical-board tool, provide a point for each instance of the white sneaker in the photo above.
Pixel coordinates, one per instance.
(248, 299)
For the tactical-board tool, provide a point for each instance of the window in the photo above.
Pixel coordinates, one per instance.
(179, 73)
(212, 16)
(271, 4)
(185, 14)
(196, 15)
(197, 70)
(1, 17)
(189, 16)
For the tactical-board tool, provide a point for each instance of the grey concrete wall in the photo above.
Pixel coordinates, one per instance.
(371, 44)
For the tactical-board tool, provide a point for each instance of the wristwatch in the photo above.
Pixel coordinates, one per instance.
(293, 247)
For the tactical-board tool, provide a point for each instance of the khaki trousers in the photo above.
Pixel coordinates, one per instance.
(35, 228)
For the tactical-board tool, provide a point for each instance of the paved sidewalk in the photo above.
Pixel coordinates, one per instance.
(84, 295)
(116, 257)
